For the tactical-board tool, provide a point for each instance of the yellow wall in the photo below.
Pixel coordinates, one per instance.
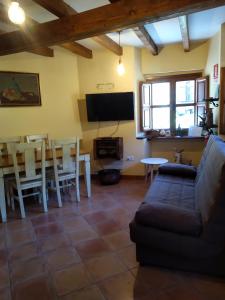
(102, 70)
(172, 58)
(58, 115)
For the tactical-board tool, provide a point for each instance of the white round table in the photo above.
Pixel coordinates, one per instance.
(150, 162)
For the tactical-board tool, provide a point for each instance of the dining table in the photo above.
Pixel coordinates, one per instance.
(6, 168)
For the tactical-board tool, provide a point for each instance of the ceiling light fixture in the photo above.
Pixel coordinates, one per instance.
(120, 66)
(16, 13)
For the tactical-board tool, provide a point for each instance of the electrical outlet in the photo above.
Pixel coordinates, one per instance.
(130, 157)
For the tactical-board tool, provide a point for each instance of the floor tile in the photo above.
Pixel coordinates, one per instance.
(71, 279)
(107, 227)
(5, 294)
(104, 266)
(23, 252)
(82, 235)
(92, 248)
(90, 293)
(17, 238)
(97, 217)
(74, 224)
(24, 270)
(36, 289)
(4, 278)
(118, 287)
(61, 257)
(3, 258)
(53, 242)
(128, 256)
(118, 240)
(48, 230)
(43, 219)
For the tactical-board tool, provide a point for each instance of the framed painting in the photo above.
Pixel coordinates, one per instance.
(19, 89)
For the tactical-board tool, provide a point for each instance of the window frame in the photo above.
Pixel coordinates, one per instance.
(172, 80)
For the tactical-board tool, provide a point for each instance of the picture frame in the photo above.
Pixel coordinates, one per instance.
(19, 89)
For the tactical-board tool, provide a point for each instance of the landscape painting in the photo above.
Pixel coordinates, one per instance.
(19, 89)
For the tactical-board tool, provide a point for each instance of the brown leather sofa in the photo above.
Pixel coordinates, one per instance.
(181, 223)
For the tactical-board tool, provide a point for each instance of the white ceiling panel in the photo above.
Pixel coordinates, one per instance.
(203, 25)
(165, 32)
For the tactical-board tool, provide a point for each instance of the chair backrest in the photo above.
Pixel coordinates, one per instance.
(66, 147)
(38, 138)
(5, 142)
(30, 152)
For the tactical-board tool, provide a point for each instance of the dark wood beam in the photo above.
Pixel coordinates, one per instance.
(72, 47)
(61, 9)
(183, 21)
(146, 39)
(44, 51)
(115, 16)
(78, 49)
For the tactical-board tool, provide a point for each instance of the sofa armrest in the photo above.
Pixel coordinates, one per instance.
(178, 170)
(169, 218)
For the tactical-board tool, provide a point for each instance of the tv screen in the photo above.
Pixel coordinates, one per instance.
(110, 106)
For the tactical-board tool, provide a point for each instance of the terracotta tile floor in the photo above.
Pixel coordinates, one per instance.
(83, 252)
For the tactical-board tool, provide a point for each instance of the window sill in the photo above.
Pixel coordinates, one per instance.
(172, 138)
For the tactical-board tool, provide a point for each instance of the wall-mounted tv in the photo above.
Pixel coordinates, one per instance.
(110, 106)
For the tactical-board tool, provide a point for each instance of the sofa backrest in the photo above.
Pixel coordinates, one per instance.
(211, 140)
(210, 191)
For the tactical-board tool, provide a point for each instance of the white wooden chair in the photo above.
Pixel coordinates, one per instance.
(5, 150)
(4, 142)
(66, 172)
(38, 138)
(32, 178)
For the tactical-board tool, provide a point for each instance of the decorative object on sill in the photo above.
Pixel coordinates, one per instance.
(179, 159)
(179, 131)
(150, 134)
(120, 66)
(207, 123)
(16, 13)
(212, 101)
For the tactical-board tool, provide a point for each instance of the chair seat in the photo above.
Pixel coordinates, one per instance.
(28, 184)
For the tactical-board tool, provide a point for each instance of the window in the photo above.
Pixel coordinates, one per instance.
(173, 102)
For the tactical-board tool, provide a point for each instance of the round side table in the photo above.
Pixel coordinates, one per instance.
(149, 163)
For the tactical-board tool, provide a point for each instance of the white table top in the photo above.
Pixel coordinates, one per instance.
(154, 161)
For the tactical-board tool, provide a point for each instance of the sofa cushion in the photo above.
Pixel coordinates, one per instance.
(178, 170)
(212, 139)
(210, 180)
(173, 190)
(170, 218)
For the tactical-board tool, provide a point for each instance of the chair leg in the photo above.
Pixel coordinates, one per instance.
(22, 210)
(44, 199)
(77, 189)
(11, 197)
(58, 193)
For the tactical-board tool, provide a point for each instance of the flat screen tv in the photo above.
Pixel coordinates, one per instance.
(110, 106)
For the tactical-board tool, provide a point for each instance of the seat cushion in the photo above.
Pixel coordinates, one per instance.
(170, 218)
(178, 170)
(173, 190)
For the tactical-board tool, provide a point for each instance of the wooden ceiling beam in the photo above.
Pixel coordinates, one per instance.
(119, 15)
(44, 51)
(72, 47)
(146, 39)
(183, 21)
(60, 9)
(78, 49)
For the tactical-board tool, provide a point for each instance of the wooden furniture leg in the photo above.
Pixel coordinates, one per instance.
(2, 198)
(87, 175)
